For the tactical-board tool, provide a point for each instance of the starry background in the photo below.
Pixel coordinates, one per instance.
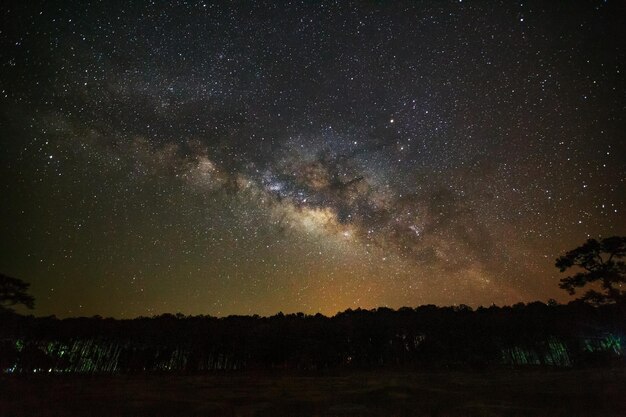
(248, 158)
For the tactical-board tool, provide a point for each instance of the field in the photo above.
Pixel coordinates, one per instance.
(490, 393)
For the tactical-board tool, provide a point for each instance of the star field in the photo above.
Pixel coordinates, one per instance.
(246, 158)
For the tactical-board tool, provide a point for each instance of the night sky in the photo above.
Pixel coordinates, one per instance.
(250, 158)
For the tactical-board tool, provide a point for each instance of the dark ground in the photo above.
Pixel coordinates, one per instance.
(491, 393)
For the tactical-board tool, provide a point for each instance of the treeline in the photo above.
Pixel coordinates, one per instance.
(535, 334)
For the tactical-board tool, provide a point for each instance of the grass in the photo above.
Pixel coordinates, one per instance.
(491, 393)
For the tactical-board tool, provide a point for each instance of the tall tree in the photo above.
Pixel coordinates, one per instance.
(14, 291)
(598, 262)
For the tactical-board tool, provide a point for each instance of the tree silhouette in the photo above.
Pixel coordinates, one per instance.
(598, 262)
(13, 291)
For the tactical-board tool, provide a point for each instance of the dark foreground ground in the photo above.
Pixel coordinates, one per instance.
(493, 393)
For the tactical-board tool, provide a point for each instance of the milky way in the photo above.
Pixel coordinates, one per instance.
(249, 158)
